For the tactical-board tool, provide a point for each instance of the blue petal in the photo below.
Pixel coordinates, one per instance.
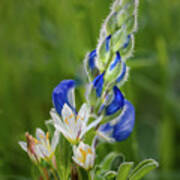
(98, 84)
(91, 59)
(125, 123)
(60, 94)
(106, 129)
(116, 61)
(108, 38)
(127, 41)
(117, 102)
(123, 73)
(122, 126)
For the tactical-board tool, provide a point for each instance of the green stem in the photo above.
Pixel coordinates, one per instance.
(54, 171)
(54, 174)
(90, 175)
(42, 173)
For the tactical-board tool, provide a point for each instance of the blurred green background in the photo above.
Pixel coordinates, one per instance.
(44, 41)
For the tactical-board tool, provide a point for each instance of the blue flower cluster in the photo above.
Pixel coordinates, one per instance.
(119, 108)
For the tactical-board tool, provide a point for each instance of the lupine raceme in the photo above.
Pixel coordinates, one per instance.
(106, 114)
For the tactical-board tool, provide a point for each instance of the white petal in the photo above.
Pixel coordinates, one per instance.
(55, 117)
(105, 137)
(93, 124)
(40, 134)
(84, 113)
(23, 145)
(88, 90)
(94, 143)
(68, 114)
(77, 162)
(50, 121)
(88, 162)
(40, 151)
(81, 145)
(55, 140)
(71, 97)
(64, 132)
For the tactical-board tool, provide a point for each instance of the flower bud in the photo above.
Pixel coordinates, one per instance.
(122, 17)
(125, 2)
(84, 155)
(130, 25)
(95, 89)
(127, 49)
(118, 39)
(111, 23)
(123, 75)
(98, 84)
(103, 53)
(113, 69)
(90, 65)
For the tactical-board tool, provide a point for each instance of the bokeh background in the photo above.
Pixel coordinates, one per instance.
(44, 41)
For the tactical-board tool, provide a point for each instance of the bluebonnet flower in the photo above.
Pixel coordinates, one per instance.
(40, 147)
(121, 126)
(64, 93)
(116, 104)
(71, 124)
(84, 155)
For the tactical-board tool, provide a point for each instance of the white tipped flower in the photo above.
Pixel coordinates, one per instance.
(73, 126)
(40, 147)
(84, 155)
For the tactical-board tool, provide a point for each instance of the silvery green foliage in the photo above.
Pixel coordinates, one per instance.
(115, 167)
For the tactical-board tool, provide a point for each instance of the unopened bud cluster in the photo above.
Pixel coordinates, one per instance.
(106, 65)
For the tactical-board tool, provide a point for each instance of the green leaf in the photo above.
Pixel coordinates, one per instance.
(106, 164)
(110, 175)
(97, 169)
(116, 162)
(124, 170)
(64, 156)
(89, 136)
(143, 168)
